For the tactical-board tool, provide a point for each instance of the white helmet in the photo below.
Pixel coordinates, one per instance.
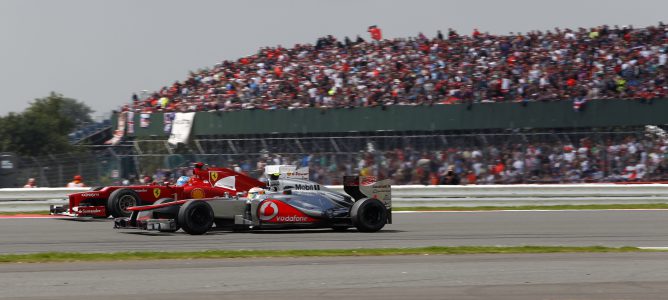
(255, 192)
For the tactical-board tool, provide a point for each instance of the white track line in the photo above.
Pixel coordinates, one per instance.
(654, 248)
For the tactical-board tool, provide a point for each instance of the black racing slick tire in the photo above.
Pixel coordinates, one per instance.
(120, 200)
(368, 215)
(195, 217)
(166, 200)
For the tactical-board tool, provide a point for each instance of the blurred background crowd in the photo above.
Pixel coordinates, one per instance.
(628, 159)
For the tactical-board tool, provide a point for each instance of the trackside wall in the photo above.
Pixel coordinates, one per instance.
(558, 114)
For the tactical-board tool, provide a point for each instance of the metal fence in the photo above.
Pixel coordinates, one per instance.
(334, 154)
(95, 167)
(342, 153)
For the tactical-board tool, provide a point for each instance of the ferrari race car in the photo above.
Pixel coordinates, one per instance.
(287, 203)
(115, 200)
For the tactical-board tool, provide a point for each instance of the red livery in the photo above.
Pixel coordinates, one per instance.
(115, 200)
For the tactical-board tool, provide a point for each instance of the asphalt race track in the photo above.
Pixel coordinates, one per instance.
(512, 277)
(517, 276)
(645, 228)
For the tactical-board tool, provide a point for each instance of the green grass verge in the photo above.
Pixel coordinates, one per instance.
(536, 207)
(217, 254)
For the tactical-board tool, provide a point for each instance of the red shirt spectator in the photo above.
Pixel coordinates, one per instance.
(375, 32)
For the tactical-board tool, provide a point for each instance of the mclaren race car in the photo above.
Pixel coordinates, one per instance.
(115, 200)
(286, 203)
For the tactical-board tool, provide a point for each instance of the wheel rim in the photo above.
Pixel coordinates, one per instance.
(372, 215)
(199, 216)
(126, 201)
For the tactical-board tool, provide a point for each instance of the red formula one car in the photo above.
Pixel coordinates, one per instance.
(114, 201)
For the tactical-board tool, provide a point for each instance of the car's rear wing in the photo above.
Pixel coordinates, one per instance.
(360, 187)
(231, 180)
(274, 172)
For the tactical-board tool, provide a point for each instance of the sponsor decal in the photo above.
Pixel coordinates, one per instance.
(275, 211)
(213, 176)
(386, 186)
(156, 192)
(268, 210)
(140, 190)
(307, 187)
(90, 195)
(297, 174)
(94, 210)
(368, 180)
(197, 193)
(89, 210)
(291, 219)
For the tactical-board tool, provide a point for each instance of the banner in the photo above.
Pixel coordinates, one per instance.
(145, 120)
(181, 127)
(131, 122)
(120, 130)
(167, 121)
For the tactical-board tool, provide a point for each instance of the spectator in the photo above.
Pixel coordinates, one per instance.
(450, 178)
(375, 32)
(77, 181)
(32, 183)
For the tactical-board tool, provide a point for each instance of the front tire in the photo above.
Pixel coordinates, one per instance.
(120, 200)
(195, 217)
(368, 215)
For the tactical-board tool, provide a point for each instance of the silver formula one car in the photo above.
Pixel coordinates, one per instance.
(287, 203)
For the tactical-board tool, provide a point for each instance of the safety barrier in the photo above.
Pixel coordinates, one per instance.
(526, 194)
(16, 194)
(419, 195)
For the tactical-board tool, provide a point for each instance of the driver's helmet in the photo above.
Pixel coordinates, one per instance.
(255, 193)
(182, 180)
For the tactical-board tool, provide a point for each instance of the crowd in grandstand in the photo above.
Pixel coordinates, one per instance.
(560, 64)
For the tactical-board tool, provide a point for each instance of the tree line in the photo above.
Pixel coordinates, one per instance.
(43, 127)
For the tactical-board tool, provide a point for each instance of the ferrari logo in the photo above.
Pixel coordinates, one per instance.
(213, 176)
(156, 192)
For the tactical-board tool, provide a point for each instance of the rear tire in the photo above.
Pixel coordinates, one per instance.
(368, 215)
(195, 217)
(120, 200)
(167, 200)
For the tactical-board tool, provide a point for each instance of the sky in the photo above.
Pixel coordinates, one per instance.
(100, 52)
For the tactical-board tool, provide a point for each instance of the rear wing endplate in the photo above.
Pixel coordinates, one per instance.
(360, 187)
